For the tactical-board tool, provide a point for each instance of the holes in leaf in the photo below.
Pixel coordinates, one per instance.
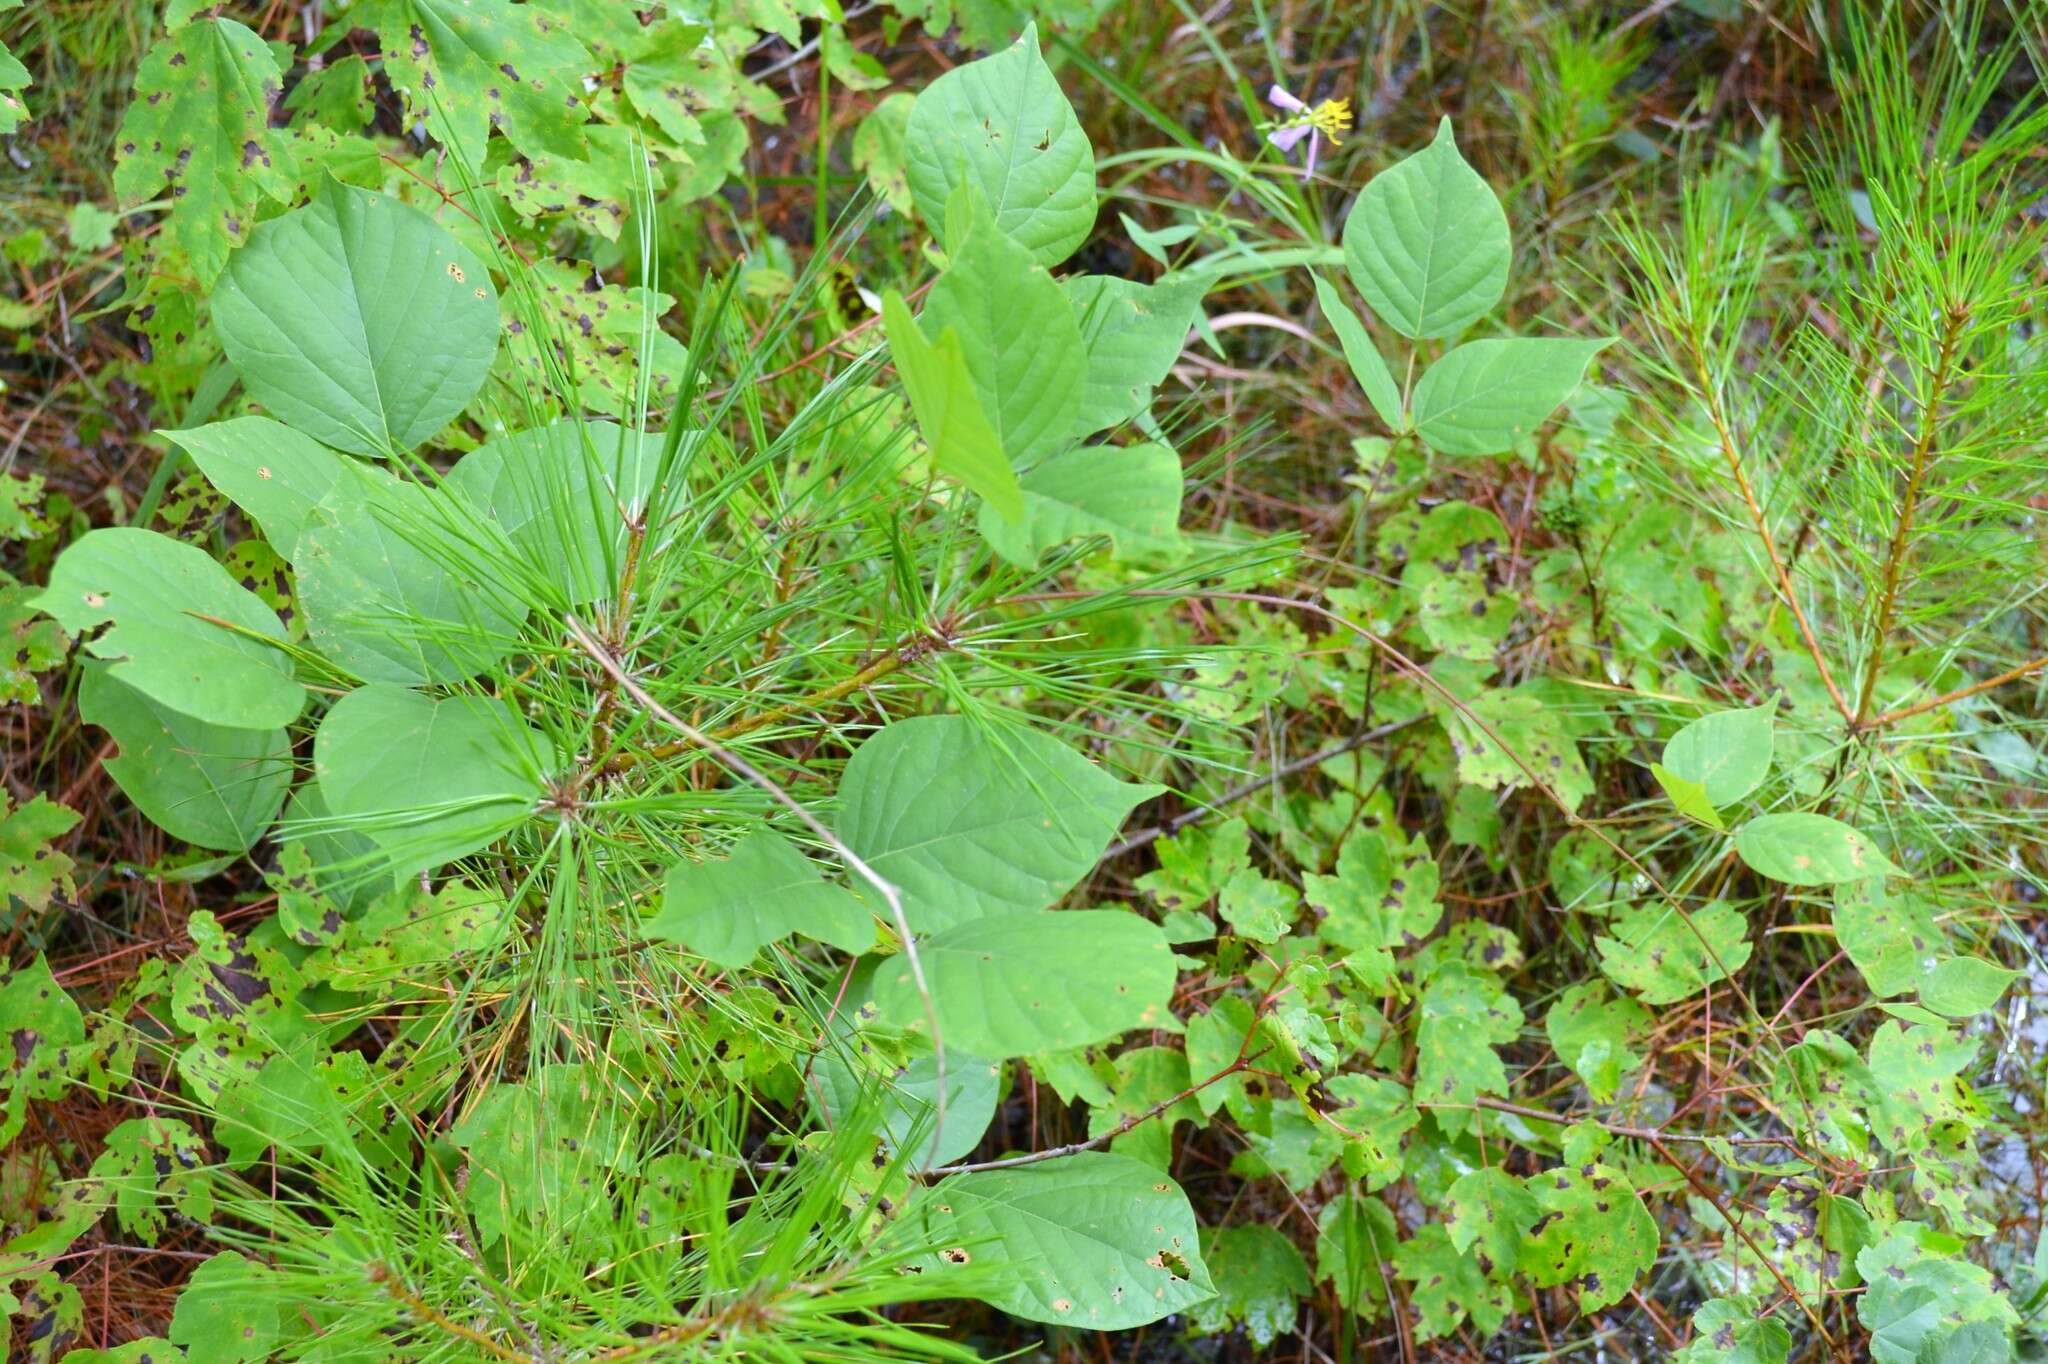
(955, 1255)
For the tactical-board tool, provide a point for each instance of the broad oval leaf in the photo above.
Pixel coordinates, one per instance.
(427, 780)
(1804, 849)
(397, 584)
(1486, 395)
(1728, 752)
(764, 890)
(565, 495)
(1017, 984)
(1427, 242)
(910, 1104)
(1133, 333)
(359, 320)
(1131, 496)
(177, 628)
(279, 477)
(211, 785)
(1003, 125)
(962, 438)
(1963, 987)
(1019, 338)
(1096, 1240)
(968, 819)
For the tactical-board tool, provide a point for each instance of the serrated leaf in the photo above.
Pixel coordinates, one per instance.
(1133, 333)
(1383, 896)
(1484, 396)
(1915, 1086)
(1727, 753)
(428, 780)
(1146, 1079)
(1465, 1015)
(1591, 1031)
(1803, 849)
(1368, 366)
(32, 873)
(728, 910)
(198, 133)
(1095, 1240)
(150, 1162)
(1427, 242)
(1917, 1296)
(969, 819)
(210, 785)
(1592, 1232)
(44, 1030)
(176, 627)
(1257, 907)
(1891, 935)
(1260, 1278)
(468, 66)
(1726, 1332)
(1655, 953)
(1485, 1212)
(359, 320)
(1019, 339)
(962, 438)
(1003, 125)
(1129, 496)
(1449, 1285)
(1018, 984)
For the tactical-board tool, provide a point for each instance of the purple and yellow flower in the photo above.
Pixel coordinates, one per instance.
(1329, 119)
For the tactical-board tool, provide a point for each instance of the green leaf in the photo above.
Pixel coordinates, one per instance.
(1427, 242)
(198, 133)
(1146, 1079)
(279, 477)
(1915, 1086)
(1465, 1015)
(1261, 1280)
(1485, 1212)
(32, 873)
(1355, 1238)
(1892, 936)
(1724, 1331)
(964, 444)
(727, 911)
(1018, 336)
(1809, 850)
(1485, 396)
(1368, 366)
(1134, 332)
(428, 780)
(1728, 752)
(148, 1350)
(1963, 987)
(1383, 896)
(1592, 1232)
(1657, 954)
(1258, 907)
(468, 66)
(881, 149)
(1688, 797)
(177, 628)
(910, 1102)
(1096, 1241)
(149, 1162)
(359, 320)
(1003, 125)
(210, 785)
(1504, 740)
(14, 78)
(399, 585)
(1449, 1285)
(1017, 984)
(228, 1311)
(565, 495)
(1129, 496)
(969, 819)
(43, 1028)
(1918, 1296)
(1591, 1031)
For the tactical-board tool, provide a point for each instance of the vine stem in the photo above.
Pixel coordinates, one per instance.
(892, 897)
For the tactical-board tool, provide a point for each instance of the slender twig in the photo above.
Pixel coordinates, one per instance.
(1892, 717)
(426, 1311)
(1902, 533)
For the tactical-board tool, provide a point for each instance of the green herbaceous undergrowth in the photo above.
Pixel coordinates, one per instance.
(683, 835)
